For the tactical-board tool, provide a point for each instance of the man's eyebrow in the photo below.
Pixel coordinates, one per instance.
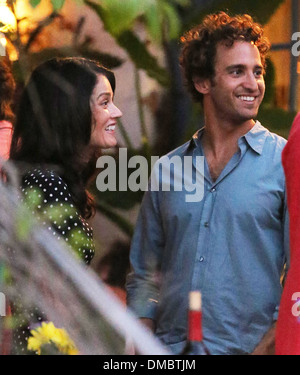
(242, 66)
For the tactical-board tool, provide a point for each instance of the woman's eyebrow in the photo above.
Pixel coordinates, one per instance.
(103, 93)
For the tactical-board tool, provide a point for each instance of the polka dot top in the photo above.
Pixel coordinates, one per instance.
(48, 197)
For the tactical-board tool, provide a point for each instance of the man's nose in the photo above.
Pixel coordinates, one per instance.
(251, 82)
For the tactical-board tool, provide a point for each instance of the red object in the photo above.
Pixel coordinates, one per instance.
(288, 324)
(194, 342)
(195, 326)
(6, 339)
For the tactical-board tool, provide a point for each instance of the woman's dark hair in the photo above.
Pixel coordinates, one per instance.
(7, 90)
(54, 122)
(199, 45)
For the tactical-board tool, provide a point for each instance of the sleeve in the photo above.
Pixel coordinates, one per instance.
(48, 197)
(288, 328)
(145, 257)
(286, 248)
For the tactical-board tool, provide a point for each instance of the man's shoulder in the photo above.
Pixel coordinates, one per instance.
(271, 138)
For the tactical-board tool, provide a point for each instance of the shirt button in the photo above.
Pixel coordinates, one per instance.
(212, 190)
(201, 259)
(206, 224)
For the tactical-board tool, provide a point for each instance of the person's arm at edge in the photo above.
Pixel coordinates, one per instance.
(267, 344)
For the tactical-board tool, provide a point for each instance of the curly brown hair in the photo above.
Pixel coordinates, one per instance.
(199, 45)
(7, 89)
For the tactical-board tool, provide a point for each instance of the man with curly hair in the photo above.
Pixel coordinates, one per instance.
(233, 244)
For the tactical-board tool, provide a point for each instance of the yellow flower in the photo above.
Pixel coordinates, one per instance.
(47, 333)
(34, 344)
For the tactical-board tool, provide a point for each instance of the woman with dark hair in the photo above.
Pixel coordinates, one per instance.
(7, 90)
(65, 117)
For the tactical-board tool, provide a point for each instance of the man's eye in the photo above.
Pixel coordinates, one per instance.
(236, 72)
(258, 73)
(105, 103)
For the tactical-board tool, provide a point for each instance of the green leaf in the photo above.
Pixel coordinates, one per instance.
(260, 10)
(153, 23)
(183, 3)
(173, 21)
(34, 3)
(33, 198)
(57, 4)
(59, 212)
(24, 224)
(117, 15)
(134, 47)
(142, 57)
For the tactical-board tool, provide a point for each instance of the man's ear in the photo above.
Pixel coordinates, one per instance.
(202, 85)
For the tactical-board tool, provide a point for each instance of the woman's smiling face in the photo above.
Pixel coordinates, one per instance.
(104, 114)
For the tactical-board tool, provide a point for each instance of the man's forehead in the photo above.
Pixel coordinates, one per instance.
(238, 53)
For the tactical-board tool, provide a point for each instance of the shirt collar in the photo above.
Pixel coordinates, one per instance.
(255, 138)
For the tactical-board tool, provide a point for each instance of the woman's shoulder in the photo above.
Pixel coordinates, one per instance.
(47, 194)
(47, 183)
(41, 175)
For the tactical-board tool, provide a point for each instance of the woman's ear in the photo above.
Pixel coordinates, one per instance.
(202, 85)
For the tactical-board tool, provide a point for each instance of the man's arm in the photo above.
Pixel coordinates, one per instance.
(267, 344)
(147, 244)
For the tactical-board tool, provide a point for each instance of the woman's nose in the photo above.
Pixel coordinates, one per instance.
(116, 112)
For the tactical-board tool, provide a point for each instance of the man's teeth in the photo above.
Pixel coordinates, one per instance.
(110, 128)
(247, 98)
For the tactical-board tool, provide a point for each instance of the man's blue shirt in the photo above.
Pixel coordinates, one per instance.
(231, 245)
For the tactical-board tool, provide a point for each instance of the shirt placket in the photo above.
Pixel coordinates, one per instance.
(203, 243)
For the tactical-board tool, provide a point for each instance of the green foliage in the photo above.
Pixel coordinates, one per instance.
(34, 3)
(127, 39)
(142, 58)
(55, 214)
(118, 16)
(77, 240)
(162, 20)
(56, 4)
(260, 10)
(25, 222)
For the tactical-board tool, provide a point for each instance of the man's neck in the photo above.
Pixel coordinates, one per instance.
(220, 143)
(221, 135)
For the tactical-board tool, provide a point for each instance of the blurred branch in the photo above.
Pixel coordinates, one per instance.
(145, 139)
(45, 22)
